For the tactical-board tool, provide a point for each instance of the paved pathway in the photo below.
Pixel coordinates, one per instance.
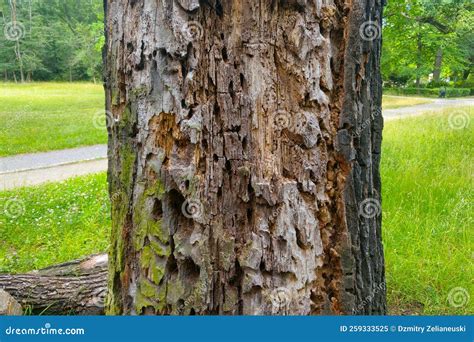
(51, 174)
(23, 162)
(37, 168)
(435, 105)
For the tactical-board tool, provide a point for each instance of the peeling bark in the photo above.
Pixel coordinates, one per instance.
(243, 138)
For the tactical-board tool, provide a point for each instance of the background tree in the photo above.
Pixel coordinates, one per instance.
(51, 40)
(427, 37)
(244, 157)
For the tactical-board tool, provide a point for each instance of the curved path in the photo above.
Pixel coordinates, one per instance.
(435, 105)
(36, 168)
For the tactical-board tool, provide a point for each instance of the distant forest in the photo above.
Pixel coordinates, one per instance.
(51, 40)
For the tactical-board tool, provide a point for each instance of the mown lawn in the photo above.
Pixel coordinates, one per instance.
(39, 117)
(391, 102)
(427, 171)
(52, 223)
(427, 189)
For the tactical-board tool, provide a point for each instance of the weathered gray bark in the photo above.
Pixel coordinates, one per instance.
(243, 137)
(76, 287)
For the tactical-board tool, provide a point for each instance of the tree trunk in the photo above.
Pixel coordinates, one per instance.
(20, 61)
(244, 138)
(437, 65)
(17, 43)
(419, 56)
(75, 287)
(465, 74)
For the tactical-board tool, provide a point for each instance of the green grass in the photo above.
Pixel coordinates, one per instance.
(50, 116)
(391, 102)
(427, 190)
(60, 222)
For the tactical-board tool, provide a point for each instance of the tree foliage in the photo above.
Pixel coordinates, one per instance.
(51, 40)
(425, 36)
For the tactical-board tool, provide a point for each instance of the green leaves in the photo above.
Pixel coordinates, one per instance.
(413, 33)
(61, 40)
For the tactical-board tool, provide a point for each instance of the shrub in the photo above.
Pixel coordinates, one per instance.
(467, 83)
(457, 92)
(429, 92)
(437, 84)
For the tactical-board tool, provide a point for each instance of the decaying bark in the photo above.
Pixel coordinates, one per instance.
(243, 138)
(76, 287)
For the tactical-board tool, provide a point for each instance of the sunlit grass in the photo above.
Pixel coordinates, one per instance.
(53, 223)
(50, 116)
(391, 102)
(428, 226)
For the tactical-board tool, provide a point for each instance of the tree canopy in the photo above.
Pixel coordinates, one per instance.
(51, 40)
(423, 37)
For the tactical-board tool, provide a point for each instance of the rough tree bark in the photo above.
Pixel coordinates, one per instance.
(244, 138)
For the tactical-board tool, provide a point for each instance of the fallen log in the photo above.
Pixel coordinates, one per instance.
(8, 305)
(76, 287)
